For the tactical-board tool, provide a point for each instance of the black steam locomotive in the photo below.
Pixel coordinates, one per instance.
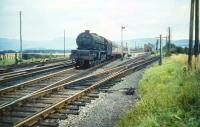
(92, 49)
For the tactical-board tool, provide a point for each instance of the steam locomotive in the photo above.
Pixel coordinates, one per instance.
(92, 49)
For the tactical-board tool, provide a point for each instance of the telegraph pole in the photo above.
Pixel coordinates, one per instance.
(20, 17)
(190, 51)
(167, 44)
(169, 41)
(64, 43)
(157, 45)
(127, 48)
(122, 28)
(161, 54)
(196, 47)
(160, 50)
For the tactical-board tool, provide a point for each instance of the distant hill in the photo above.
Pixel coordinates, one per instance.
(57, 43)
(44, 51)
(8, 44)
(181, 43)
(140, 42)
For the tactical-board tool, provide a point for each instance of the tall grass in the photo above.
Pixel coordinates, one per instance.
(184, 59)
(170, 97)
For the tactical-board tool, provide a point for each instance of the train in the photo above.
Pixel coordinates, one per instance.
(148, 47)
(93, 49)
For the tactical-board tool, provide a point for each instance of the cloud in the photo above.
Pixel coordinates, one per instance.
(44, 19)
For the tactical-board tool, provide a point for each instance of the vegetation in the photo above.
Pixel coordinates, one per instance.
(176, 49)
(7, 62)
(10, 58)
(169, 95)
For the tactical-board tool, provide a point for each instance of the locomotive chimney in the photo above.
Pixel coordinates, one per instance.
(87, 31)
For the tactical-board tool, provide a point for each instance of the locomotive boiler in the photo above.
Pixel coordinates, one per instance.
(92, 49)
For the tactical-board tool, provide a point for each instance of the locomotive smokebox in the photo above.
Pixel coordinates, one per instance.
(92, 49)
(87, 31)
(90, 41)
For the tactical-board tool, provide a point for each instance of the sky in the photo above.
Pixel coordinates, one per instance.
(47, 19)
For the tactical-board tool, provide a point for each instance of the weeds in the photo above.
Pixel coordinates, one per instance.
(170, 97)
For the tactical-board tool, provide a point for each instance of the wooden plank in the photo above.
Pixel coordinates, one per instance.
(67, 111)
(93, 95)
(28, 109)
(49, 123)
(72, 107)
(20, 114)
(78, 103)
(9, 120)
(37, 105)
(58, 116)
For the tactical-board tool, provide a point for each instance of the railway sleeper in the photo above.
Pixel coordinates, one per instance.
(19, 114)
(10, 121)
(44, 101)
(58, 116)
(93, 95)
(28, 109)
(59, 96)
(49, 123)
(103, 90)
(75, 87)
(72, 107)
(16, 93)
(37, 105)
(64, 94)
(69, 91)
(79, 103)
(50, 99)
(82, 84)
(2, 102)
(11, 96)
(85, 99)
(69, 112)
(32, 89)
(23, 91)
(94, 92)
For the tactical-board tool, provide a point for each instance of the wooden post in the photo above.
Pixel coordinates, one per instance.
(127, 48)
(4, 58)
(169, 41)
(156, 45)
(16, 59)
(160, 50)
(20, 16)
(190, 51)
(196, 46)
(64, 43)
(122, 42)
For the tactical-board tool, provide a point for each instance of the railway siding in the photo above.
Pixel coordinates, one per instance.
(59, 96)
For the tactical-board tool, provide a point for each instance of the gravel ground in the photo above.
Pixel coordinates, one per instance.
(106, 110)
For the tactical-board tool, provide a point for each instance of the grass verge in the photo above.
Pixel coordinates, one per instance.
(170, 97)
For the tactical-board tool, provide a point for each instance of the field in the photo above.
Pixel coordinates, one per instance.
(169, 97)
(10, 58)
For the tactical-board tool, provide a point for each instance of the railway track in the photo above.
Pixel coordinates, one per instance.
(9, 94)
(44, 107)
(9, 68)
(11, 76)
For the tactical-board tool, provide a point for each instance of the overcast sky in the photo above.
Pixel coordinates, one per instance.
(46, 19)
